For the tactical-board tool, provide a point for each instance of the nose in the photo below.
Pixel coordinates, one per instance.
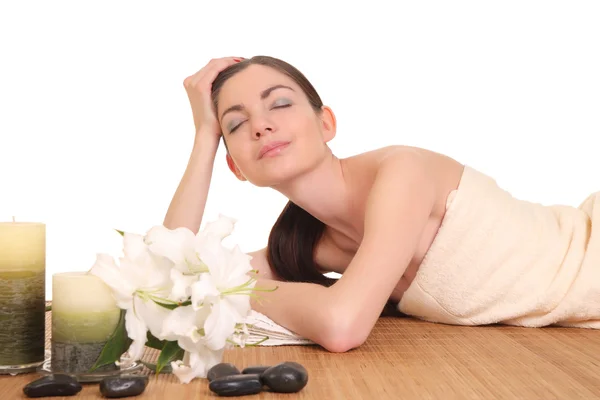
(261, 127)
(262, 132)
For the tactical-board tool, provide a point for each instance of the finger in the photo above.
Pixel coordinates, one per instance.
(208, 74)
(195, 77)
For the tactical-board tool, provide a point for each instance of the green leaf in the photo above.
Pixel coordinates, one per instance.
(117, 344)
(171, 352)
(49, 308)
(120, 232)
(154, 343)
(167, 369)
(174, 305)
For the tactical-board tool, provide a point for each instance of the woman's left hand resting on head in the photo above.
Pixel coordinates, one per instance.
(341, 317)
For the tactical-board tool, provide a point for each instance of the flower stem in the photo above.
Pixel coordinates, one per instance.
(259, 342)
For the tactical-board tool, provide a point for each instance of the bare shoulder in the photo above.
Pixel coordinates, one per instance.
(441, 170)
(374, 159)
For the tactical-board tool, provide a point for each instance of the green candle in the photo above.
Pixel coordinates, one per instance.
(22, 296)
(84, 315)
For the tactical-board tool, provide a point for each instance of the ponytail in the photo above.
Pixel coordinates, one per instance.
(292, 244)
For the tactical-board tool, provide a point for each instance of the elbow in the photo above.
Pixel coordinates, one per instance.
(340, 344)
(340, 335)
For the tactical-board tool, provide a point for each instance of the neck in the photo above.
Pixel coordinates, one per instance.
(325, 193)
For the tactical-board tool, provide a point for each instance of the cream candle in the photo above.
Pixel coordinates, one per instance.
(84, 315)
(22, 295)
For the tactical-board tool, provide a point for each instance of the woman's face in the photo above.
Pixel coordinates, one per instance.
(260, 108)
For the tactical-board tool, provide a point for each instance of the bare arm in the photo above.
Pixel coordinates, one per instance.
(287, 298)
(342, 316)
(188, 203)
(299, 307)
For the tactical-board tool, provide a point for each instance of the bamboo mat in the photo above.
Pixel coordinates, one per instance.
(409, 359)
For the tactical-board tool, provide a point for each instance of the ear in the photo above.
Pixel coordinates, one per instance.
(328, 123)
(234, 168)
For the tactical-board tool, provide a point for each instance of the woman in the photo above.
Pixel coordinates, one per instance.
(400, 224)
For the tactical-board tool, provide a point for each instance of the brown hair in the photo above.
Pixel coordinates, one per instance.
(296, 233)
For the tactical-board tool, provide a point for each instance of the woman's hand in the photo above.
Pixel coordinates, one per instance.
(198, 87)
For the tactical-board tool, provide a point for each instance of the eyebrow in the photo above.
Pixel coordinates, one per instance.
(263, 95)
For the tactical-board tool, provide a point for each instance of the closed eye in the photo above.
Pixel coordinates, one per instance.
(280, 104)
(235, 127)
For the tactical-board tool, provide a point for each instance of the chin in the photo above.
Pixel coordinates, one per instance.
(279, 170)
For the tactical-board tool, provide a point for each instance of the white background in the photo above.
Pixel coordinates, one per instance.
(96, 129)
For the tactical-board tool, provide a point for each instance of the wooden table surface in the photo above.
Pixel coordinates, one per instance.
(409, 359)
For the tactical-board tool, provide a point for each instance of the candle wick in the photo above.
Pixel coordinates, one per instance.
(14, 219)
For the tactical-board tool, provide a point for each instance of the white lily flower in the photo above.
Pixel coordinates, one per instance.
(240, 336)
(196, 363)
(226, 288)
(137, 331)
(182, 283)
(139, 276)
(184, 322)
(137, 251)
(207, 284)
(138, 272)
(227, 267)
(143, 268)
(220, 324)
(139, 319)
(204, 290)
(178, 245)
(221, 228)
(106, 269)
(153, 315)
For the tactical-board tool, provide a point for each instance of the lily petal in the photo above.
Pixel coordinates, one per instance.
(219, 325)
(136, 250)
(180, 322)
(175, 244)
(187, 344)
(137, 331)
(182, 283)
(228, 268)
(152, 315)
(240, 261)
(134, 247)
(146, 277)
(196, 364)
(106, 269)
(212, 253)
(182, 370)
(220, 228)
(239, 304)
(203, 289)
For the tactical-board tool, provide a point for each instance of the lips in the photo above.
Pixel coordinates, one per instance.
(271, 146)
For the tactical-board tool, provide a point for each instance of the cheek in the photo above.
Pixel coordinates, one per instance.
(301, 125)
(241, 158)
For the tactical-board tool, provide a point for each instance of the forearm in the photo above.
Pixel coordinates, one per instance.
(303, 308)
(188, 203)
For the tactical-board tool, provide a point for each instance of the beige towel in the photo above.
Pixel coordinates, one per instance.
(498, 259)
